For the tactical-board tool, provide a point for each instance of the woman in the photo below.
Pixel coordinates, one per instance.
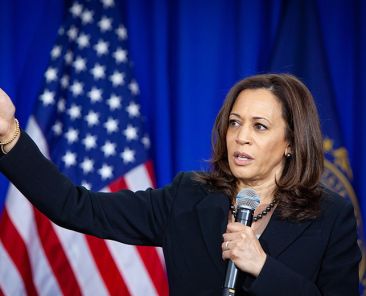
(266, 137)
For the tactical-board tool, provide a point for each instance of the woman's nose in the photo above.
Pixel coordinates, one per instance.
(243, 136)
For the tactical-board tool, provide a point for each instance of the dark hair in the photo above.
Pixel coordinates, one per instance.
(298, 192)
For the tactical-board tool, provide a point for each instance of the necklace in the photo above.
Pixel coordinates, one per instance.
(260, 215)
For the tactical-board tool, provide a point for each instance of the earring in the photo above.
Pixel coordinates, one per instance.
(288, 155)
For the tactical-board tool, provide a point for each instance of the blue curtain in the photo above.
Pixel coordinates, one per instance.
(188, 53)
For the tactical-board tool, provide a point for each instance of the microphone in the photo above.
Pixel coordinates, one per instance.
(247, 200)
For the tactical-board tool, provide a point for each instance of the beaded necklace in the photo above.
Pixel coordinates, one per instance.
(260, 215)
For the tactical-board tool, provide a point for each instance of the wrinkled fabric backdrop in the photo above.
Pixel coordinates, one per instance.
(188, 53)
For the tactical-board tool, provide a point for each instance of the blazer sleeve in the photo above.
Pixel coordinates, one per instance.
(338, 273)
(129, 217)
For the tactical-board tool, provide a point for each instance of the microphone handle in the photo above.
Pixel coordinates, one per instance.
(244, 216)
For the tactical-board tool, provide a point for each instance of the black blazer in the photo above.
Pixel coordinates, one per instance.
(317, 257)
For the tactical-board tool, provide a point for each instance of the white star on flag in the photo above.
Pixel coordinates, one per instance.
(109, 149)
(77, 88)
(48, 97)
(69, 158)
(87, 165)
(74, 111)
(92, 118)
(128, 155)
(51, 74)
(117, 78)
(90, 141)
(101, 48)
(105, 171)
(114, 102)
(98, 71)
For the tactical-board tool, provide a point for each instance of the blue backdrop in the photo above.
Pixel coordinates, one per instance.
(188, 53)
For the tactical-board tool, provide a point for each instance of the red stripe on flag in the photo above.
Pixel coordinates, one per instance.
(107, 266)
(56, 256)
(17, 250)
(1, 292)
(118, 184)
(155, 269)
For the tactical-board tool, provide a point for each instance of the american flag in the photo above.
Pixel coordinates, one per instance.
(88, 121)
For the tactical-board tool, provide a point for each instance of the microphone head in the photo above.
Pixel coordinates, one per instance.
(247, 198)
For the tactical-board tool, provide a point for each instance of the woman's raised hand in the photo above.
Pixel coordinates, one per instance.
(9, 128)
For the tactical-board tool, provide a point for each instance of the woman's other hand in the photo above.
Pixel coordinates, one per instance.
(8, 125)
(243, 248)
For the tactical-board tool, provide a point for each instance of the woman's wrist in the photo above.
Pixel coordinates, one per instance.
(8, 142)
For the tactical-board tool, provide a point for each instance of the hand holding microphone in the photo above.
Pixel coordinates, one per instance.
(241, 245)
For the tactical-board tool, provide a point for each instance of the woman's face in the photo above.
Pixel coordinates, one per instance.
(255, 138)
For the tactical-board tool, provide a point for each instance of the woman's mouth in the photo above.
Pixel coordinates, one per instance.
(242, 158)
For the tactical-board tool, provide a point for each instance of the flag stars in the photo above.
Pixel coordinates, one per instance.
(92, 118)
(76, 9)
(95, 95)
(61, 105)
(72, 135)
(90, 141)
(56, 52)
(121, 32)
(69, 159)
(109, 149)
(134, 87)
(146, 141)
(108, 3)
(111, 125)
(105, 172)
(130, 133)
(72, 33)
(77, 88)
(114, 102)
(57, 128)
(117, 78)
(87, 165)
(128, 155)
(133, 109)
(87, 17)
(79, 64)
(51, 74)
(105, 24)
(86, 185)
(68, 57)
(65, 81)
(101, 47)
(74, 112)
(83, 41)
(98, 71)
(48, 97)
(120, 55)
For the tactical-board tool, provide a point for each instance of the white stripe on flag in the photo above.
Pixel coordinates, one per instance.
(138, 178)
(11, 283)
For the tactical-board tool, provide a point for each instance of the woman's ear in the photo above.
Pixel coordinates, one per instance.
(288, 151)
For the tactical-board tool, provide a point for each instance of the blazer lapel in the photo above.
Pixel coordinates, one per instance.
(280, 234)
(212, 212)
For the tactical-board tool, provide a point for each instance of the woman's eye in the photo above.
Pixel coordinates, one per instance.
(233, 122)
(260, 126)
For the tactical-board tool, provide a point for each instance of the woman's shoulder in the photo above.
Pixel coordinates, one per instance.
(333, 202)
